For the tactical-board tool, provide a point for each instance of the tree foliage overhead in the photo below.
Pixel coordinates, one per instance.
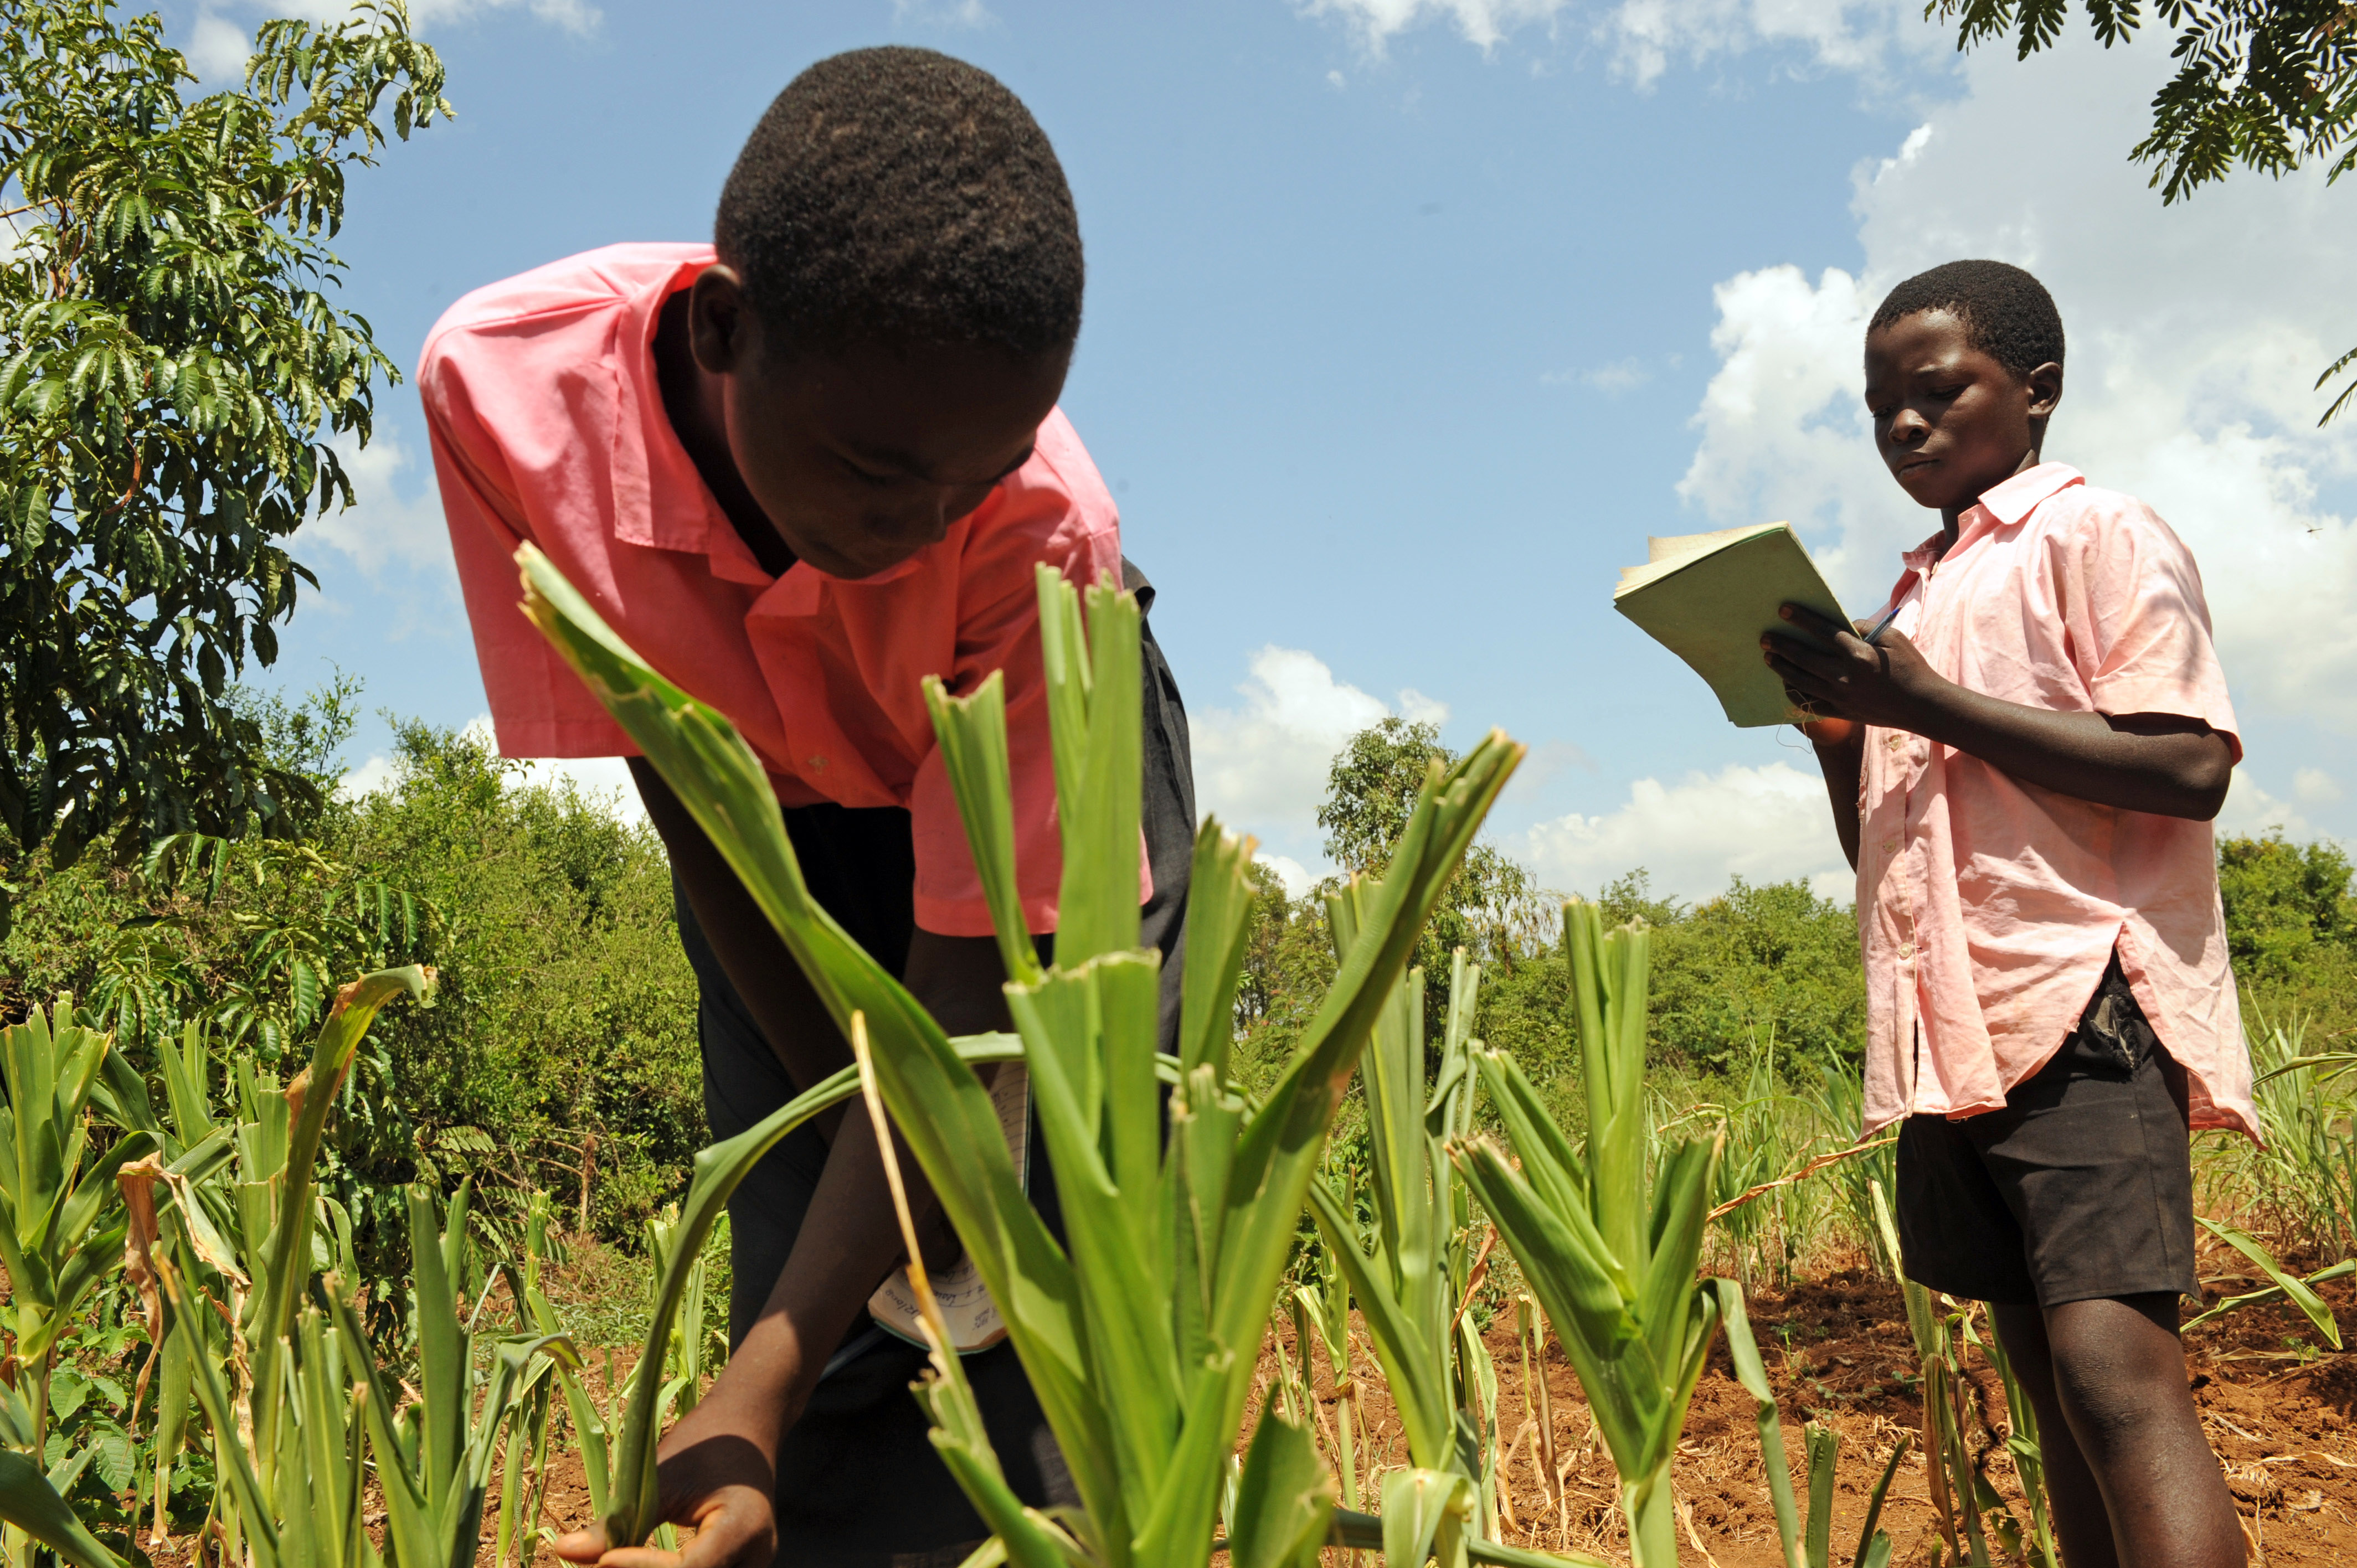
(171, 369)
(2269, 85)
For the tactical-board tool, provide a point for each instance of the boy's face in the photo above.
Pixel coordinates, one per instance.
(1950, 421)
(862, 457)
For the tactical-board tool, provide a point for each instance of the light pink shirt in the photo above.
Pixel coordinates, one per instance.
(1987, 907)
(548, 426)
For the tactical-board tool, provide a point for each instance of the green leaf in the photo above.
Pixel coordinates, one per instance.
(2294, 1288)
(33, 1506)
(1284, 1501)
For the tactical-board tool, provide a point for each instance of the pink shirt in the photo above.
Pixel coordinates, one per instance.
(1988, 908)
(548, 426)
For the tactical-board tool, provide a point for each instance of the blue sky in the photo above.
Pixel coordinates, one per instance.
(1408, 321)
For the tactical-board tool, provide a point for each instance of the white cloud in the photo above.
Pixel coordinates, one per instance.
(1645, 36)
(1611, 380)
(2315, 787)
(942, 13)
(1297, 877)
(2250, 811)
(1262, 767)
(1482, 22)
(2195, 333)
(603, 781)
(1765, 825)
(218, 48)
(369, 777)
(381, 527)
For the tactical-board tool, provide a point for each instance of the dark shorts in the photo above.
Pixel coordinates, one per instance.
(859, 1484)
(2081, 1187)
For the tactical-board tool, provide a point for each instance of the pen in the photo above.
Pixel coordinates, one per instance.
(1884, 624)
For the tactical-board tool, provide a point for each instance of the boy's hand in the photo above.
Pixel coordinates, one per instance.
(717, 1480)
(1886, 683)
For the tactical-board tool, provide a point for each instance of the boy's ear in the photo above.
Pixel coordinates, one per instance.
(2045, 385)
(723, 330)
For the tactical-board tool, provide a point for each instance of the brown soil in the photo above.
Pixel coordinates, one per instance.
(2278, 1411)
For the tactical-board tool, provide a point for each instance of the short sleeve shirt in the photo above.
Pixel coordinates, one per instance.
(547, 425)
(1988, 908)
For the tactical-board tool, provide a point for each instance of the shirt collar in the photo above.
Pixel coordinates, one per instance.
(2010, 502)
(2001, 506)
(659, 498)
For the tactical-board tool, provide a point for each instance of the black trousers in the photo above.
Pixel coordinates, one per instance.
(860, 1485)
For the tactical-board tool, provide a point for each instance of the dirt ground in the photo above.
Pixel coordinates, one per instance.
(2279, 1407)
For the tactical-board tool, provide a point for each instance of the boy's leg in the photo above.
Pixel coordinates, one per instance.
(2130, 1473)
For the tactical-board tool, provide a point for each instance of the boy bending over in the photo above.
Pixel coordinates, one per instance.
(2023, 768)
(799, 470)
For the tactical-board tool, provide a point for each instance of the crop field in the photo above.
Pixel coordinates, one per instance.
(1383, 1290)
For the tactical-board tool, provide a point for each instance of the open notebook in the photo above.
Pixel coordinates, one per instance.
(1708, 596)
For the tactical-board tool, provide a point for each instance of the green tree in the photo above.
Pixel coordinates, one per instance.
(171, 371)
(2268, 85)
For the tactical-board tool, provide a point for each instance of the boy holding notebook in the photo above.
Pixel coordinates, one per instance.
(799, 470)
(2024, 751)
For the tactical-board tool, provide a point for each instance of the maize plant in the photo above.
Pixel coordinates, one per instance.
(1959, 1491)
(1139, 1331)
(1322, 1305)
(1409, 1288)
(1806, 1544)
(271, 1374)
(1613, 1263)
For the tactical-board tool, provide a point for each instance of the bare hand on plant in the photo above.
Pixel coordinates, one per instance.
(712, 1475)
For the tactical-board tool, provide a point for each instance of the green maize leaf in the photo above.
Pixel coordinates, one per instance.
(1418, 1388)
(1097, 906)
(307, 1102)
(1219, 923)
(1743, 1352)
(2293, 1287)
(2340, 1271)
(29, 1502)
(1277, 1155)
(1919, 1322)
(444, 1367)
(1873, 1545)
(973, 732)
(1356, 1531)
(1825, 1449)
(1682, 1200)
(1284, 1501)
(1128, 1317)
(257, 1518)
(1579, 1285)
(1064, 661)
(1426, 1513)
(1184, 1500)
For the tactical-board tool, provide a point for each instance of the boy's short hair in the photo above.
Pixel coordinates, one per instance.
(899, 197)
(2008, 313)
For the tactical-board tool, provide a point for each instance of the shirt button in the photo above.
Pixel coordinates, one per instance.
(1894, 742)
(1890, 847)
(1906, 950)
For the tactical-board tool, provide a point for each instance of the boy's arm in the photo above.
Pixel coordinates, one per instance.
(2166, 763)
(718, 1464)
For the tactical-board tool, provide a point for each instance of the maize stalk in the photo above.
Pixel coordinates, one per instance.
(1613, 1263)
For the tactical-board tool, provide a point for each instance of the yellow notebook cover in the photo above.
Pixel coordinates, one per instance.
(1706, 598)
